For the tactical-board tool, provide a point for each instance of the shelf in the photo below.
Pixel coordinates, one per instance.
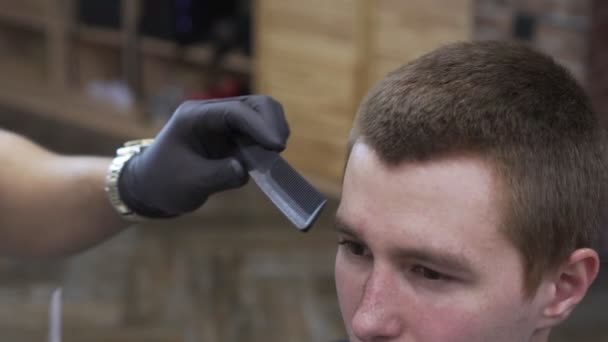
(22, 18)
(97, 35)
(201, 54)
(197, 54)
(33, 94)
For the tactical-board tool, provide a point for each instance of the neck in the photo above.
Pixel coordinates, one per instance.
(541, 335)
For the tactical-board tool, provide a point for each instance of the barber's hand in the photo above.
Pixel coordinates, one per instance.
(195, 154)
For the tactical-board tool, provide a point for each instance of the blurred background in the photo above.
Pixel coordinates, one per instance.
(84, 76)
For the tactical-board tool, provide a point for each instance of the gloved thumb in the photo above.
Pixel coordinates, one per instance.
(228, 173)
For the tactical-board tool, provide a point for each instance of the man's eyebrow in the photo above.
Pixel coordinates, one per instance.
(342, 227)
(452, 261)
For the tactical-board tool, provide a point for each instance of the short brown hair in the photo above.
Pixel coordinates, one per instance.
(516, 108)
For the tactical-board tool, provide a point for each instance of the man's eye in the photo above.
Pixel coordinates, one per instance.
(428, 273)
(353, 247)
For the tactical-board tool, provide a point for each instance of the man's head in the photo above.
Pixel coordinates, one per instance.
(472, 199)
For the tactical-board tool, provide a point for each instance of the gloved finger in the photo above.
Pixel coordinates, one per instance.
(271, 111)
(228, 173)
(262, 128)
(235, 118)
(283, 125)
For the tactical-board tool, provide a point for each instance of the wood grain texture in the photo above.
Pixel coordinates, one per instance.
(319, 59)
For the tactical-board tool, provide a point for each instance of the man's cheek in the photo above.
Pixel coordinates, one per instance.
(349, 287)
(475, 317)
(450, 317)
(456, 325)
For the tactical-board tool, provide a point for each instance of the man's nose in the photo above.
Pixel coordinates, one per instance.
(377, 317)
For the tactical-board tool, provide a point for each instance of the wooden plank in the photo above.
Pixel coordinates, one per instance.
(59, 17)
(363, 45)
(306, 45)
(334, 20)
(320, 85)
(310, 57)
(404, 30)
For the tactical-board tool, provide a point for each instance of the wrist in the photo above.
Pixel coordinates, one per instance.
(124, 186)
(117, 184)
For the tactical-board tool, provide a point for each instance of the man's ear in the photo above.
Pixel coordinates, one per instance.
(570, 284)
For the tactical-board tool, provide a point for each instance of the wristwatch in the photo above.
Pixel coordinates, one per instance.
(123, 155)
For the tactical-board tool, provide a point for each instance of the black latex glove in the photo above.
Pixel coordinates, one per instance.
(195, 154)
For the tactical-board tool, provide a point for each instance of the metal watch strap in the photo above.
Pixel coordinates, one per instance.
(123, 154)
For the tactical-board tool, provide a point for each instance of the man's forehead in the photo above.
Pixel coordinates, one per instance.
(452, 181)
(444, 203)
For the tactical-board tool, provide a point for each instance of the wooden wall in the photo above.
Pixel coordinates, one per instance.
(320, 57)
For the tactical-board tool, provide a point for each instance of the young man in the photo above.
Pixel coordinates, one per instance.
(471, 201)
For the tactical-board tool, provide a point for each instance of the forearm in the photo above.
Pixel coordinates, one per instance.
(52, 205)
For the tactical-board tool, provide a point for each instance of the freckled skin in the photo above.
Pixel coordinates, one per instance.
(449, 205)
